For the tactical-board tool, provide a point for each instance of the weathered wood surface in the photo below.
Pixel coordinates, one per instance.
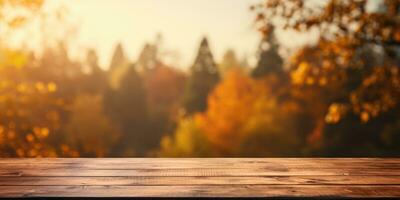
(208, 177)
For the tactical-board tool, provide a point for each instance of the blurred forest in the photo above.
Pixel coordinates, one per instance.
(339, 97)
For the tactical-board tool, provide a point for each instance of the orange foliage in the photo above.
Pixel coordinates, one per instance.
(88, 129)
(30, 110)
(342, 65)
(323, 65)
(230, 106)
(30, 120)
(164, 89)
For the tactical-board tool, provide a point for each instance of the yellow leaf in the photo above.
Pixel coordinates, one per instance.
(51, 87)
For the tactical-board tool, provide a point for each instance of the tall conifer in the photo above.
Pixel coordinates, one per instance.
(204, 76)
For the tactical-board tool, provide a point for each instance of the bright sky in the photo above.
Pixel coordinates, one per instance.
(182, 23)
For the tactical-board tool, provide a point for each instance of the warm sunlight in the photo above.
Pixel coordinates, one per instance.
(182, 24)
(221, 99)
(180, 78)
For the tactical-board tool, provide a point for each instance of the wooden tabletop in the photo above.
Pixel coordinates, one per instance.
(207, 177)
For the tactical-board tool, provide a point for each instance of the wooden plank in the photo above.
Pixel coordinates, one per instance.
(197, 167)
(215, 177)
(143, 181)
(203, 160)
(128, 164)
(370, 191)
(200, 172)
(90, 164)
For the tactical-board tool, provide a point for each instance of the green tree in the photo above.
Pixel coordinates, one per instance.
(204, 76)
(127, 107)
(269, 61)
(187, 141)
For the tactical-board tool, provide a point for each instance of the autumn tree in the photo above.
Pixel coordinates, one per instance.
(164, 86)
(244, 118)
(346, 27)
(30, 119)
(88, 129)
(127, 107)
(31, 110)
(352, 71)
(203, 77)
(164, 89)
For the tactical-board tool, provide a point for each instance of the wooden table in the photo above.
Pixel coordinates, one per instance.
(215, 177)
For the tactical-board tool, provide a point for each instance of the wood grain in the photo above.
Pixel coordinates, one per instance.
(201, 191)
(200, 180)
(196, 172)
(203, 177)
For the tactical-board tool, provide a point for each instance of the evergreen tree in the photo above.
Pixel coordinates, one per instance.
(96, 80)
(204, 76)
(92, 60)
(118, 59)
(229, 62)
(118, 67)
(127, 107)
(148, 58)
(270, 62)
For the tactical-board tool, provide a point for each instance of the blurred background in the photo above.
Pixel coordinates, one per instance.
(178, 78)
